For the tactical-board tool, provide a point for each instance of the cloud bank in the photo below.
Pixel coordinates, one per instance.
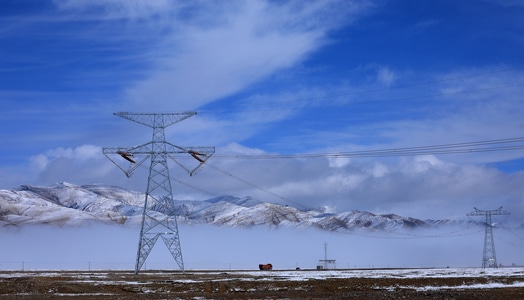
(109, 247)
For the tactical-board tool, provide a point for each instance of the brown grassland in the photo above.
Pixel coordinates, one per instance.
(246, 285)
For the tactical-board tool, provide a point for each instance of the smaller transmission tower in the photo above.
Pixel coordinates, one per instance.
(489, 257)
(326, 264)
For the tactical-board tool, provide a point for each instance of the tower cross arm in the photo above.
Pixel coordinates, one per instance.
(155, 120)
(147, 148)
(477, 213)
(114, 150)
(494, 212)
(499, 211)
(200, 150)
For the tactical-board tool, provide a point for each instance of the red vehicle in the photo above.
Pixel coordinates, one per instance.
(265, 267)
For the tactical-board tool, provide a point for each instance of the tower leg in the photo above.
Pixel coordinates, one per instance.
(145, 245)
(489, 258)
(158, 218)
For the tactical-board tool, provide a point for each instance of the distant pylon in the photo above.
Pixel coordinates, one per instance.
(158, 216)
(489, 257)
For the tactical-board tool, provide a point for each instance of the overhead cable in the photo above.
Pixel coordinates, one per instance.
(508, 144)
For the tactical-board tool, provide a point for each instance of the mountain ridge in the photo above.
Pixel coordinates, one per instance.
(66, 204)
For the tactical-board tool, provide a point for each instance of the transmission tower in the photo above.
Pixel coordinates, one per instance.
(489, 257)
(158, 216)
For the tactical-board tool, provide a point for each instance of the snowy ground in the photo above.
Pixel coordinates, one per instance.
(300, 275)
(517, 273)
(453, 283)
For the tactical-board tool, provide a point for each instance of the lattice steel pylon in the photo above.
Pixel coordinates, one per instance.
(489, 257)
(158, 216)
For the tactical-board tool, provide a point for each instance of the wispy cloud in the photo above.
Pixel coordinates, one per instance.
(247, 43)
(386, 76)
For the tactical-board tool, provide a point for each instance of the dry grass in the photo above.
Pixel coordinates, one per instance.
(239, 285)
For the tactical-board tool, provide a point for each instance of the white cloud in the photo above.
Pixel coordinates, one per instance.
(423, 163)
(39, 161)
(338, 162)
(81, 165)
(81, 153)
(386, 76)
(421, 186)
(236, 148)
(379, 169)
(247, 43)
(117, 9)
(202, 51)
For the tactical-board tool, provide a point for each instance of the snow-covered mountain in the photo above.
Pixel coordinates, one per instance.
(67, 204)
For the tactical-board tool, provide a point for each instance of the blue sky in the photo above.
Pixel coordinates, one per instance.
(272, 77)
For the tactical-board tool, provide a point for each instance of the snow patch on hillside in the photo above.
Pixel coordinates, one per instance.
(66, 204)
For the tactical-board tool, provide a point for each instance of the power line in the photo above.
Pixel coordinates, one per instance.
(244, 181)
(194, 187)
(256, 186)
(513, 233)
(456, 148)
(452, 148)
(510, 243)
(407, 236)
